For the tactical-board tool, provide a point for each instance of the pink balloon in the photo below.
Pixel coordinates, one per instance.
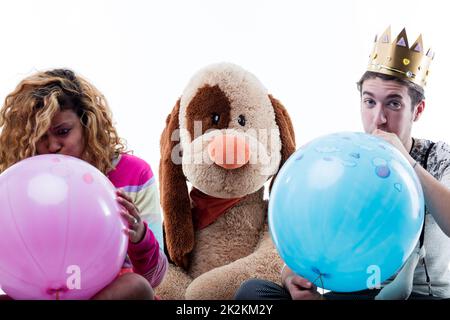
(61, 233)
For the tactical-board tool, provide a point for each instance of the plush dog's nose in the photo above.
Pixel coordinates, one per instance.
(229, 151)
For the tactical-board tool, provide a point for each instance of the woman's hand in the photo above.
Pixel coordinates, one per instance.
(136, 227)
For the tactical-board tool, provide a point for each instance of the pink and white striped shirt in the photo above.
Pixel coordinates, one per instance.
(135, 177)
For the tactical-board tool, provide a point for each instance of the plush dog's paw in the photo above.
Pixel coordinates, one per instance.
(174, 284)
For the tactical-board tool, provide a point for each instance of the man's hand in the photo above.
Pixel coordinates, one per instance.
(299, 288)
(393, 139)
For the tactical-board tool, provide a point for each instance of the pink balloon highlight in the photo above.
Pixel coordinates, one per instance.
(88, 178)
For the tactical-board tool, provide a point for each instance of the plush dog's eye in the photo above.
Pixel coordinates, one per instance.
(215, 117)
(241, 120)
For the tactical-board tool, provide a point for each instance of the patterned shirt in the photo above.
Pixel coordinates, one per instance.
(436, 242)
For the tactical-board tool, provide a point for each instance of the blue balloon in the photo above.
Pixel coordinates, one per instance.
(346, 211)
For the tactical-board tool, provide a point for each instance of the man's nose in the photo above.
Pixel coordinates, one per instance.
(379, 116)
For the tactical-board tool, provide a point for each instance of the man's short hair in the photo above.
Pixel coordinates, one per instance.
(416, 92)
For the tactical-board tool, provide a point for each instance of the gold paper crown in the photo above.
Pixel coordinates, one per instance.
(396, 58)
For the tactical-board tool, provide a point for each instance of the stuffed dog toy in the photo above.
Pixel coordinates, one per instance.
(226, 137)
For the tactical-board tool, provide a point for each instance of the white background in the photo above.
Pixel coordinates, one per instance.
(141, 54)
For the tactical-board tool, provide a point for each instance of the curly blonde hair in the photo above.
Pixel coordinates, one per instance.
(28, 111)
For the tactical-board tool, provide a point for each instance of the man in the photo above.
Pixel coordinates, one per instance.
(392, 99)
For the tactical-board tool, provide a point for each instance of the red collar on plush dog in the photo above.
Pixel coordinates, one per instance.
(208, 209)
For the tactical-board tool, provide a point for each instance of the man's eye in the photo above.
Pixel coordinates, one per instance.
(394, 105)
(369, 102)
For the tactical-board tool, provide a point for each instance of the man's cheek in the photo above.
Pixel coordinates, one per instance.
(368, 125)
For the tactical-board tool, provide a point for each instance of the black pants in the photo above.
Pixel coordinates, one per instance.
(256, 289)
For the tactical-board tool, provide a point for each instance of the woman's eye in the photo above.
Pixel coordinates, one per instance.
(215, 117)
(62, 132)
(241, 120)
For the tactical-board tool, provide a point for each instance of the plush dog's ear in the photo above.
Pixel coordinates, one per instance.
(287, 135)
(175, 202)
